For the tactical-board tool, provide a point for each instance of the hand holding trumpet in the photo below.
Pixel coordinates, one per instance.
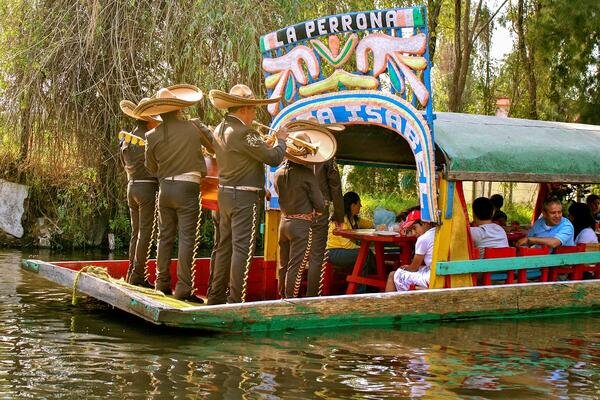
(282, 133)
(309, 144)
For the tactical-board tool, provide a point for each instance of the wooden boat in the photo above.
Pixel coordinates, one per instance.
(389, 122)
(378, 309)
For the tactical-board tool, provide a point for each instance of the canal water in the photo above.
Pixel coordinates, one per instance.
(50, 349)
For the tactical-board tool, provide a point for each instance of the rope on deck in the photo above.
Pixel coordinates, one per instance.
(102, 273)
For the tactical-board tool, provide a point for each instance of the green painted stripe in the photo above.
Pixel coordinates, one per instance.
(346, 49)
(320, 47)
(417, 17)
(515, 263)
(31, 265)
(262, 44)
(317, 322)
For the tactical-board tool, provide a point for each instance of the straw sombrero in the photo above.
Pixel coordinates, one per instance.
(322, 139)
(238, 96)
(128, 108)
(169, 99)
(310, 123)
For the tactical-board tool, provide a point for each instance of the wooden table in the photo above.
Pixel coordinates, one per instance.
(368, 237)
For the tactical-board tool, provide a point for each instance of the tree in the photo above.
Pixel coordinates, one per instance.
(527, 54)
(468, 26)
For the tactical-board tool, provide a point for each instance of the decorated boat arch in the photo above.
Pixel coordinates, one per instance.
(365, 69)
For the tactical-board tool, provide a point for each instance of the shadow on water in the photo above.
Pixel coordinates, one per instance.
(51, 349)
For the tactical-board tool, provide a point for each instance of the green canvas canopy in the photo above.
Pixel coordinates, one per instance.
(486, 148)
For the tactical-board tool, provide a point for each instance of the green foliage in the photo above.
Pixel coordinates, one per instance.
(390, 202)
(77, 206)
(381, 181)
(120, 226)
(207, 230)
(520, 212)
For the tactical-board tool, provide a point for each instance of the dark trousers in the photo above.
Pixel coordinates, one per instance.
(179, 209)
(213, 254)
(239, 213)
(295, 242)
(319, 242)
(141, 198)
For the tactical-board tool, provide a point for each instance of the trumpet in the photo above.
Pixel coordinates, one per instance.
(312, 148)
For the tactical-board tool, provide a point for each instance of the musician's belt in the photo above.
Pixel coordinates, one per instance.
(243, 188)
(306, 217)
(185, 178)
(143, 181)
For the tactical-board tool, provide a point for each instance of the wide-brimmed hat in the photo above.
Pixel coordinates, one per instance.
(238, 96)
(413, 216)
(310, 123)
(128, 108)
(322, 141)
(169, 99)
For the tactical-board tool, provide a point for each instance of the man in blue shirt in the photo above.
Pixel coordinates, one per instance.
(552, 229)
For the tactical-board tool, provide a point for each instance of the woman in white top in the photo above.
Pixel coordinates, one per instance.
(583, 222)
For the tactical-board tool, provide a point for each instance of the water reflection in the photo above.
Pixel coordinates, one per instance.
(50, 349)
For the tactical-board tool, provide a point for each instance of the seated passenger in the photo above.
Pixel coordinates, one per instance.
(342, 252)
(401, 217)
(583, 222)
(498, 216)
(485, 233)
(593, 201)
(417, 272)
(551, 229)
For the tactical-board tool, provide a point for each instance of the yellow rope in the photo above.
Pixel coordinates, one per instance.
(322, 276)
(196, 244)
(102, 273)
(249, 259)
(153, 236)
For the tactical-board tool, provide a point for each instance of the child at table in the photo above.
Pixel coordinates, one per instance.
(342, 252)
(417, 272)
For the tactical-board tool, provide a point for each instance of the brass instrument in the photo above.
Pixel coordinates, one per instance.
(320, 146)
(313, 148)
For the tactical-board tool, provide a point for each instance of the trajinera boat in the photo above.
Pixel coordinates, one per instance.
(370, 71)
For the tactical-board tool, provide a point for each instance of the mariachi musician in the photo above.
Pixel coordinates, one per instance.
(241, 154)
(142, 186)
(330, 182)
(301, 202)
(174, 151)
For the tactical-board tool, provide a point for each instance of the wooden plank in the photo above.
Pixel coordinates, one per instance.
(272, 219)
(393, 309)
(515, 263)
(111, 293)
